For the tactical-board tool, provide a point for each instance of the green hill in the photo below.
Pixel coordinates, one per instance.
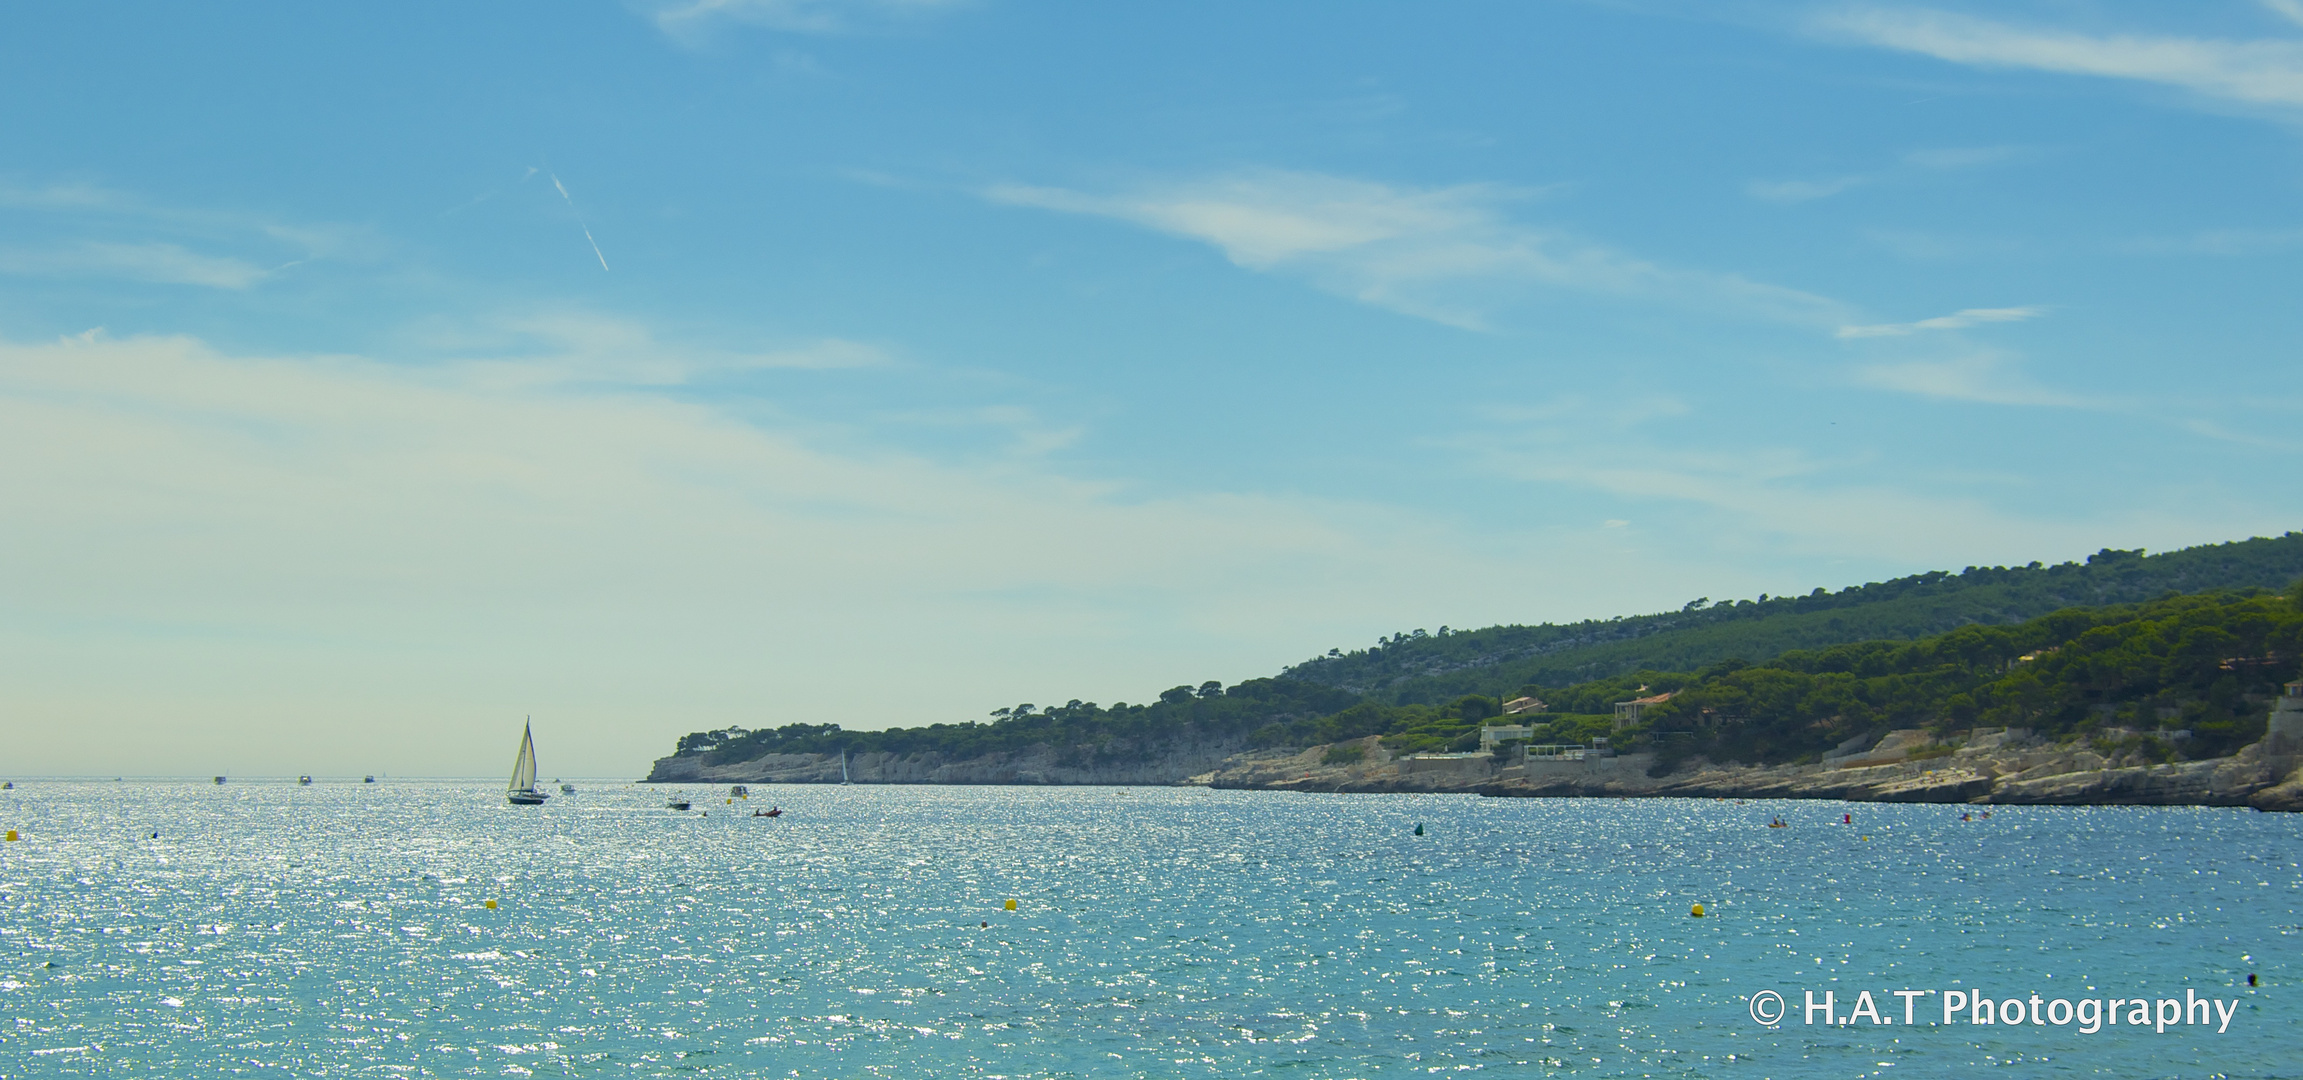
(2204, 664)
(2133, 674)
(1422, 668)
(2198, 640)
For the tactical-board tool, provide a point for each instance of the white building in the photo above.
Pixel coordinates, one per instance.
(1503, 733)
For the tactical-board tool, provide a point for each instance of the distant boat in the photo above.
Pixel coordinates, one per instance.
(219, 781)
(367, 779)
(304, 780)
(522, 791)
(843, 765)
(567, 788)
(740, 791)
(676, 802)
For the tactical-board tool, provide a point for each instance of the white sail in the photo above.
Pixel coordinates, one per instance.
(524, 767)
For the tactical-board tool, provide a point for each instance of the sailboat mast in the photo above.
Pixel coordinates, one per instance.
(524, 767)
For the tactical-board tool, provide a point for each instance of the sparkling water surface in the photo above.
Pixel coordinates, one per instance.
(342, 929)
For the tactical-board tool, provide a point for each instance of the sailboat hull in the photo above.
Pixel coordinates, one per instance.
(526, 798)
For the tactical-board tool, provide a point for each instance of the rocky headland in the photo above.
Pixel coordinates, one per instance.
(1162, 765)
(1998, 766)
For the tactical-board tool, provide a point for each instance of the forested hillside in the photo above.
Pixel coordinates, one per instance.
(1208, 713)
(1417, 667)
(2189, 639)
(2205, 665)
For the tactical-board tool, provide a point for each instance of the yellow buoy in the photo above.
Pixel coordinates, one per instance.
(11, 834)
(1011, 905)
(731, 802)
(1696, 911)
(491, 905)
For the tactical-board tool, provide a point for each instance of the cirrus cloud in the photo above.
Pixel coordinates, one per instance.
(159, 263)
(1957, 320)
(2263, 72)
(1449, 254)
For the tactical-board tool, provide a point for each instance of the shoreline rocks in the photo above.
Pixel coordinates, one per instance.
(2000, 767)
(1158, 766)
(1993, 768)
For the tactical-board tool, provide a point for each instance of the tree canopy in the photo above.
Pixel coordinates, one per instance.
(2121, 646)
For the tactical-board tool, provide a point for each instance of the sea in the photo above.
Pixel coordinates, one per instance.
(428, 929)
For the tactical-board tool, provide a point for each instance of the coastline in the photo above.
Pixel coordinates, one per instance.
(1992, 767)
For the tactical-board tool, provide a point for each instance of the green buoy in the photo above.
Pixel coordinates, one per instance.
(1419, 828)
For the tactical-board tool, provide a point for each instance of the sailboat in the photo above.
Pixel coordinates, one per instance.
(522, 791)
(843, 766)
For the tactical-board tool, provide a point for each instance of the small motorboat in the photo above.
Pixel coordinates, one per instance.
(567, 788)
(740, 791)
(676, 802)
(776, 812)
(219, 781)
(304, 781)
(367, 779)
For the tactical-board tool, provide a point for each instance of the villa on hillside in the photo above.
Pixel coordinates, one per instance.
(1492, 734)
(1518, 705)
(1628, 713)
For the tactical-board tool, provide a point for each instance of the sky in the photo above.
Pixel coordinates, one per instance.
(375, 377)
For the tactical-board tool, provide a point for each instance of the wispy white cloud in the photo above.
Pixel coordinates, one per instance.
(1764, 497)
(124, 236)
(1933, 159)
(1449, 254)
(269, 539)
(2256, 438)
(1928, 160)
(553, 347)
(687, 19)
(2265, 72)
(1983, 378)
(1028, 433)
(1958, 320)
(166, 264)
(66, 196)
(2290, 10)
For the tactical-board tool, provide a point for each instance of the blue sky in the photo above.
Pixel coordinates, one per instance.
(370, 378)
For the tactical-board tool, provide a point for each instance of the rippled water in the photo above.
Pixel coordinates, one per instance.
(342, 928)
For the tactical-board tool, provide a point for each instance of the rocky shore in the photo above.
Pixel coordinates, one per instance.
(1161, 766)
(2002, 767)
(1992, 767)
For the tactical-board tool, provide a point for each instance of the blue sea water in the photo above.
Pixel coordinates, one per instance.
(342, 930)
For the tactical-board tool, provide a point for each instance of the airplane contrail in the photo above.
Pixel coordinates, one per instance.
(563, 188)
